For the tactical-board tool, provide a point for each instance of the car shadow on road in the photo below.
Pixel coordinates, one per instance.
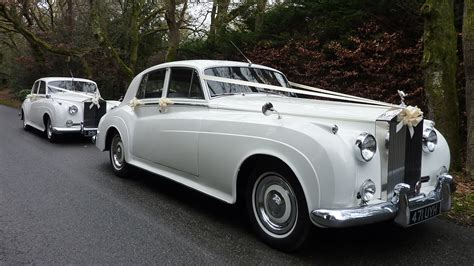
(328, 245)
(61, 139)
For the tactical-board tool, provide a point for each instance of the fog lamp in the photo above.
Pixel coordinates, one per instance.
(69, 123)
(367, 191)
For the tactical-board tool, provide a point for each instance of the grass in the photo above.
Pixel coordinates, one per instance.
(10, 102)
(6, 98)
(463, 201)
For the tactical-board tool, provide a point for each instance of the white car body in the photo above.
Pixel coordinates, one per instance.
(208, 144)
(44, 103)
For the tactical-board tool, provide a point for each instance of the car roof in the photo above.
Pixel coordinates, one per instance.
(205, 64)
(48, 79)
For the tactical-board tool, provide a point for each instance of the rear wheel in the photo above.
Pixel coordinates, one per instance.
(117, 157)
(277, 208)
(52, 137)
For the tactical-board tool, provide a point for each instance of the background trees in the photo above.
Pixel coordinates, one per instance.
(363, 47)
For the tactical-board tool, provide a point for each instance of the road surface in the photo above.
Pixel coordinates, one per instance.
(61, 203)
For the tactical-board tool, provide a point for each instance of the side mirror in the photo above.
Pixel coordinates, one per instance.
(48, 96)
(267, 109)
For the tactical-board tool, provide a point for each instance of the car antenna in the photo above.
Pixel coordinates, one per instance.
(248, 60)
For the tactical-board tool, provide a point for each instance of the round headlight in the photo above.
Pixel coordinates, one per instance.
(367, 191)
(430, 140)
(73, 110)
(365, 147)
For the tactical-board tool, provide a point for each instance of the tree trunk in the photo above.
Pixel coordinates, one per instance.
(468, 48)
(439, 67)
(261, 5)
(218, 15)
(173, 31)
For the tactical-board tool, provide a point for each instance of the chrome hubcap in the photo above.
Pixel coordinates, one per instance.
(117, 153)
(49, 130)
(275, 204)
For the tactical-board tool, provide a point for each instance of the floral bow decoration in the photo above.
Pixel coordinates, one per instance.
(134, 103)
(31, 97)
(95, 101)
(410, 116)
(164, 102)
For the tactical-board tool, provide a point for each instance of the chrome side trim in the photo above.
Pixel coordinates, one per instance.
(397, 209)
(66, 129)
(178, 104)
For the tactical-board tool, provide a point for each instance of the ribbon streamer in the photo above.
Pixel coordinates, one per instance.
(312, 91)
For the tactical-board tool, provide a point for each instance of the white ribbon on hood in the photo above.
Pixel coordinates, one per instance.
(94, 99)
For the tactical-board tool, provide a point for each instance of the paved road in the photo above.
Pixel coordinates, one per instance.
(60, 203)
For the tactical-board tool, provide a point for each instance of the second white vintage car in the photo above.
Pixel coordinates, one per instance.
(240, 132)
(58, 105)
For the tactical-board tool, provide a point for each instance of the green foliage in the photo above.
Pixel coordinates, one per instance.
(21, 95)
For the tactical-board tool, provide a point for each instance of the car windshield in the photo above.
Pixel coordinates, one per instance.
(251, 74)
(79, 86)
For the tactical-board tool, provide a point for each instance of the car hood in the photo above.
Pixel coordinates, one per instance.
(75, 98)
(331, 110)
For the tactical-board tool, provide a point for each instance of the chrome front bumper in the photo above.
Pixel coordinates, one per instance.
(76, 128)
(397, 209)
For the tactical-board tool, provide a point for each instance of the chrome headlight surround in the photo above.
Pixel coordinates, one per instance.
(430, 140)
(73, 110)
(365, 147)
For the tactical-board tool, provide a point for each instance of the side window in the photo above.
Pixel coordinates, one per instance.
(184, 83)
(152, 84)
(34, 90)
(42, 88)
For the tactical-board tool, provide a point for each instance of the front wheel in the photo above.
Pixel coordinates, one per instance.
(25, 125)
(117, 157)
(52, 137)
(277, 208)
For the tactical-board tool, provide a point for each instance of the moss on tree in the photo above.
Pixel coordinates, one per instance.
(439, 67)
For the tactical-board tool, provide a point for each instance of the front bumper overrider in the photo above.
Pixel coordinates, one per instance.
(397, 209)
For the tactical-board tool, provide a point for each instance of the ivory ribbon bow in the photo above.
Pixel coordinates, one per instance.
(95, 101)
(31, 97)
(410, 116)
(164, 102)
(134, 103)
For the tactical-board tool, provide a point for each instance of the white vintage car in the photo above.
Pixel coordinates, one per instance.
(241, 132)
(64, 105)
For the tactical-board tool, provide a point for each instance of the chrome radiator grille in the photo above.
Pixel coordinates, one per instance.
(93, 114)
(400, 153)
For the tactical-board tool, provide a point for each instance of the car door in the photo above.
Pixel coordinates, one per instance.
(27, 104)
(171, 132)
(39, 92)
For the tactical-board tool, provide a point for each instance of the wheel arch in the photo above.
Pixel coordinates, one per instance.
(108, 136)
(256, 159)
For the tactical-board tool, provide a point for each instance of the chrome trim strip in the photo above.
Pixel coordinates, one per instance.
(66, 129)
(179, 104)
(398, 208)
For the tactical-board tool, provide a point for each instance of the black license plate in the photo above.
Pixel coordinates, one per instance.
(425, 213)
(89, 133)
